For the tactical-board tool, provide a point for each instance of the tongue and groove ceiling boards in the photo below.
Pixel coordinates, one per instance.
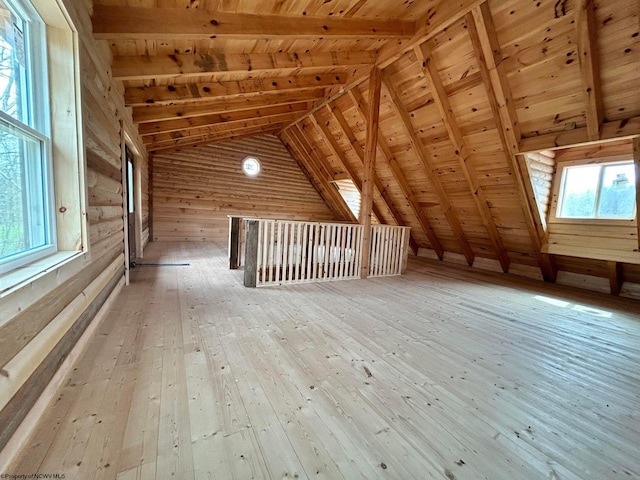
(467, 87)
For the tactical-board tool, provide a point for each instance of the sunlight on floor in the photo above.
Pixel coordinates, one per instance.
(579, 308)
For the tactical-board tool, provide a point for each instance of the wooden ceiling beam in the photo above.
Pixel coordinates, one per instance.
(589, 65)
(614, 130)
(402, 182)
(344, 127)
(319, 167)
(190, 92)
(476, 21)
(138, 23)
(328, 138)
(294, 149)
(147, 67)
(213, 138)
(437, 18)
(488, 42)
(386, 156)
(457, 140)
(158, 113)
(232, 128)
(219, 118)
(429, 169)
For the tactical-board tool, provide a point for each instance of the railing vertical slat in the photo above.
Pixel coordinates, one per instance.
(285, 251)
(343, 251)
(385, 251)
(393, 264)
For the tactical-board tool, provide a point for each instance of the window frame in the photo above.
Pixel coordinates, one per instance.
(252, 159)
(67, 147)
(558, 186)
(36, 126)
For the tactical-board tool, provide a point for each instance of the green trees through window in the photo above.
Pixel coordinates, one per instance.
(598, 191)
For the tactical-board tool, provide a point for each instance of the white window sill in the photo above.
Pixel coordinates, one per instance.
(16, 279)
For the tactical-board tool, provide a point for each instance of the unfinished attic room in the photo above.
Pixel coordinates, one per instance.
(333, 239)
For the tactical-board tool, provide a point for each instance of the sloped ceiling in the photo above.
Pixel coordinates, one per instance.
(467, 86)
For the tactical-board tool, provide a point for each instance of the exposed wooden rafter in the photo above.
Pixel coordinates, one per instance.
(346, 130)
(327, 137)
(589, 66)
(402, 182)
(486, 44)
(220, 128)
(207, 91)
(158, 113)
(212, 138)
(434, 21)
(291, 144)
(230, 118)
(309, 157)
(613, 130)
(466, 166)
(429, 169)
(208, 63)
(175, 23)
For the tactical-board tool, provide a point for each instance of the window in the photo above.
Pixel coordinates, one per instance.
(603, 191)
(350, 194)
(251, 166)
(27, 221)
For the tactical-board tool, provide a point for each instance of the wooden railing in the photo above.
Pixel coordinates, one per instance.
(281, 252)
(389, 249)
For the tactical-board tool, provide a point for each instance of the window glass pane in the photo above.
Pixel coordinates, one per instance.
(618, 194)
(23, 202)
(13, 76)
(251, 166)
(579, 193)
(130, 205)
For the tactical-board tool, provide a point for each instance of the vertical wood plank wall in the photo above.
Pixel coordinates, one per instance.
(194, 190)
(39, 328)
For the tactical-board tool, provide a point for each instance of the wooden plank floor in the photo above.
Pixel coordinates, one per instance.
(441, 373)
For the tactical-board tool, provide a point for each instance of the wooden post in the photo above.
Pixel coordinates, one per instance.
(251, 253)
(366, 201)
(615, 277)
(234, 242)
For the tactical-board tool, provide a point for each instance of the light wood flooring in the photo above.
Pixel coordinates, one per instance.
(441, 373)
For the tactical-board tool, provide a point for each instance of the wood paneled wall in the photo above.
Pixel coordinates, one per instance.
(41, 323)
(194, 190)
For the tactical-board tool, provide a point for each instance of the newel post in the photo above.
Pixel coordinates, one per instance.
(251, 253)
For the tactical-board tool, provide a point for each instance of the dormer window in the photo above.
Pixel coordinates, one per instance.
(598, 190)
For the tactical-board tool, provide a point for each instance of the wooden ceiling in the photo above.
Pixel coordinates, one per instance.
(206, 71)
(467, 87)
